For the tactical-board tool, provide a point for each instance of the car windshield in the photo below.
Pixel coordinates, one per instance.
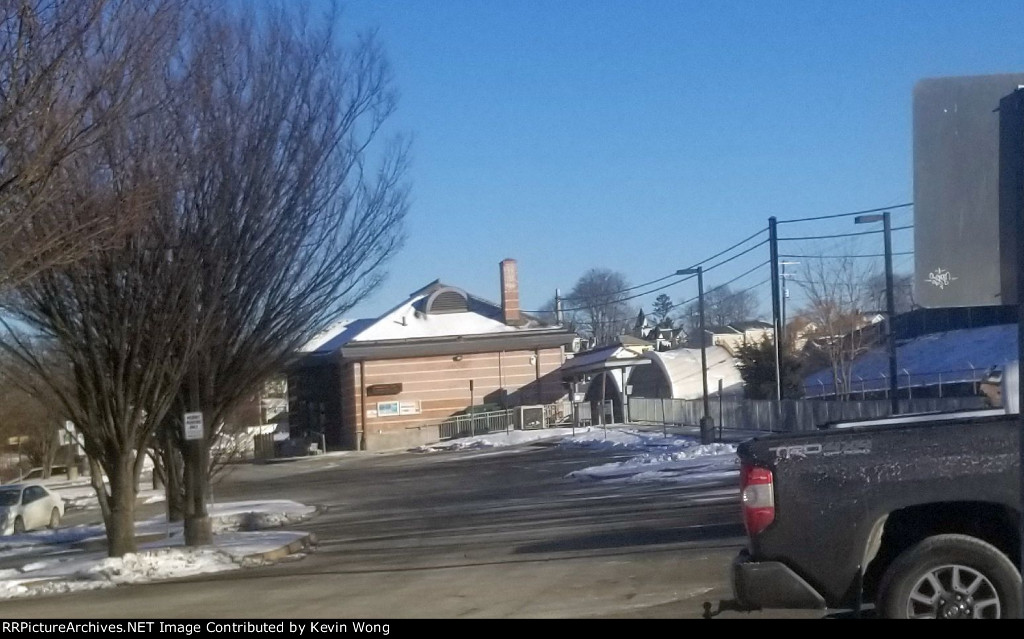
(9, 496)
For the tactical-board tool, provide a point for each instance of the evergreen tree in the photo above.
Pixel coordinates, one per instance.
(662, 307)
(757, 367)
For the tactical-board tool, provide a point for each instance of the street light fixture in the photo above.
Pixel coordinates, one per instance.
(890, 304)
(706, 423)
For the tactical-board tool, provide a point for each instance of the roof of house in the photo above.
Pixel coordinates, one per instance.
(751, 325)
(336, 335)
(630, 340)
(948, 357)
(737, 328)
(411, 321)
(722, 329)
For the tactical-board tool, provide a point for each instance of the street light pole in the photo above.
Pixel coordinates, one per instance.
(706, 423)
(890, 305)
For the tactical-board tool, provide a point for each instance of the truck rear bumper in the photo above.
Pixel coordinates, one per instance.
(770, 584)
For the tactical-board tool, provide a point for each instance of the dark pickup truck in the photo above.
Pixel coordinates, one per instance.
(918, 516)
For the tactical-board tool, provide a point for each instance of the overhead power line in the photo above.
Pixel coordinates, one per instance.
(724, 284)
(850, 214)
(840, 257)
(829, 237)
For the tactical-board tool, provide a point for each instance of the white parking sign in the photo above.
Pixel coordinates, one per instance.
(193, 426)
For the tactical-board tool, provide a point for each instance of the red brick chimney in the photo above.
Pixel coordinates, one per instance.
(510, 293)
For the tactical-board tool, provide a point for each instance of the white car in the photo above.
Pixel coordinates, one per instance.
(25, 507)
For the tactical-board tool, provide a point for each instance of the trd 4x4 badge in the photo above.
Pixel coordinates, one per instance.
(854, 447)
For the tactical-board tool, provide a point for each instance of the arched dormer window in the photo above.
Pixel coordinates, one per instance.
(447, 300)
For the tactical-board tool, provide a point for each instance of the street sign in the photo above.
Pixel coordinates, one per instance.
(193, 426)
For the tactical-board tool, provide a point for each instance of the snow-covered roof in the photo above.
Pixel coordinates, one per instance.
(411, 320)
(593, 360)
(682, 368)
(948, 357)
(336, 335)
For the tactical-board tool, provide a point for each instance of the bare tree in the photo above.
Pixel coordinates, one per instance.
(69, 73)
(548, 315)
(722, 306)
(122, 319)
(835, 313)
(598, 302)
(903, 292)
(119, 320)
(31, 411)
(298, 205)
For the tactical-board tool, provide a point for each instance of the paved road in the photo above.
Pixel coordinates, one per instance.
(460, 535)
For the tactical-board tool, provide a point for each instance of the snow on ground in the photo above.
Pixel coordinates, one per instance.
(660, 456)
(56, 561)
(249, 515)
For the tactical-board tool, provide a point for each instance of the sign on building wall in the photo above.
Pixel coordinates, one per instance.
(392, 409)
(387, 409)
(378, 390)
(409, 408)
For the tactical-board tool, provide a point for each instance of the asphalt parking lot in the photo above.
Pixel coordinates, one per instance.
(453, 535)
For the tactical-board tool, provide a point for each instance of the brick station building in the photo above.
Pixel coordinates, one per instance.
(387, 383)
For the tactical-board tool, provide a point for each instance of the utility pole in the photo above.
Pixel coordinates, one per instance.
(707, 423)
(773, 242)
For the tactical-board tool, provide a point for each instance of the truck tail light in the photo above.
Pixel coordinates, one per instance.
(758, 498)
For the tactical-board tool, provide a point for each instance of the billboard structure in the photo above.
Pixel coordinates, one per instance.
(964, 252)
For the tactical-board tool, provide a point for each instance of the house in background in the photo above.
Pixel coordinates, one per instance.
(663, 338)
(733, 336)
(387, 383)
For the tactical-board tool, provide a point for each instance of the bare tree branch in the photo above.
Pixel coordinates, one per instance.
(293, 227)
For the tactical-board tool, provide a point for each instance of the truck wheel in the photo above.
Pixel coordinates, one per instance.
(951, 577)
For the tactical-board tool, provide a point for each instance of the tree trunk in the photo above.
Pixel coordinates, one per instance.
(198, 527)
(96, 479)
(173, 480)
(121, 524)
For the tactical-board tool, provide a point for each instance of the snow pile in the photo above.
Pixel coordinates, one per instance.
(257, 515)
(628, 439)
(679, 460)
(661, 457)
(163, 563)
(500, 439)
(63, 568)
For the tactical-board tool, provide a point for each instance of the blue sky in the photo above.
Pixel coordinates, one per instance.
(646, 136)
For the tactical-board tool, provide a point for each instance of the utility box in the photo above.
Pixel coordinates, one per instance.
(530, 417)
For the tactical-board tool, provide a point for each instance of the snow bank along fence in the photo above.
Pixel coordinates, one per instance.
(792, 414)
(518, 418)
